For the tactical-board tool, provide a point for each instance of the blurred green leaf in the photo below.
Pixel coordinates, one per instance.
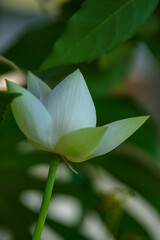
(5, 99)
(70, 7)
(98, 27)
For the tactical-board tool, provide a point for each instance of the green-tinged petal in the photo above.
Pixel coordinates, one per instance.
(38, 146)
(70, 105)
(37, 87)
(31, 116)
(79, 144)
(117, 132)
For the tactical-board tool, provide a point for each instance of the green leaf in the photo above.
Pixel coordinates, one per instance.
(79, 144)
(5, 99)
(98, 27)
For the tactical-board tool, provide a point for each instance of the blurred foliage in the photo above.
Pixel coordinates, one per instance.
(135, 163)
(5, 99)
(35, 45)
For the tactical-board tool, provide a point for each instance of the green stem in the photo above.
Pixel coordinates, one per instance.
(46, 199)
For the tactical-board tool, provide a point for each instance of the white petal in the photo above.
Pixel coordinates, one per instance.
(37, 87)
(70, 105)
(31, 116)
(117, 132)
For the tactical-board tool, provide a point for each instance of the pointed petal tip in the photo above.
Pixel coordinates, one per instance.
(37, 87)
(143, 119)
(78, 70)
(147, 116)
(78, 76)
(7, 81)
(118, 132)
(11, 86)
(77, 73)
(7, 84)
(29, 74)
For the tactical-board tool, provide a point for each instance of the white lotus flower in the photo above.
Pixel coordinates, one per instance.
(63, 120)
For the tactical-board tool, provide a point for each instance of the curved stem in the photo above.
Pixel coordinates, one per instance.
(46, 199)
(10, 63)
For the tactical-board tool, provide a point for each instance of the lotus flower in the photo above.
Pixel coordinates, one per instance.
(63, 120)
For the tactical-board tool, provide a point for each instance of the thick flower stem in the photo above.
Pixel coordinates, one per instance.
(46, 199)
